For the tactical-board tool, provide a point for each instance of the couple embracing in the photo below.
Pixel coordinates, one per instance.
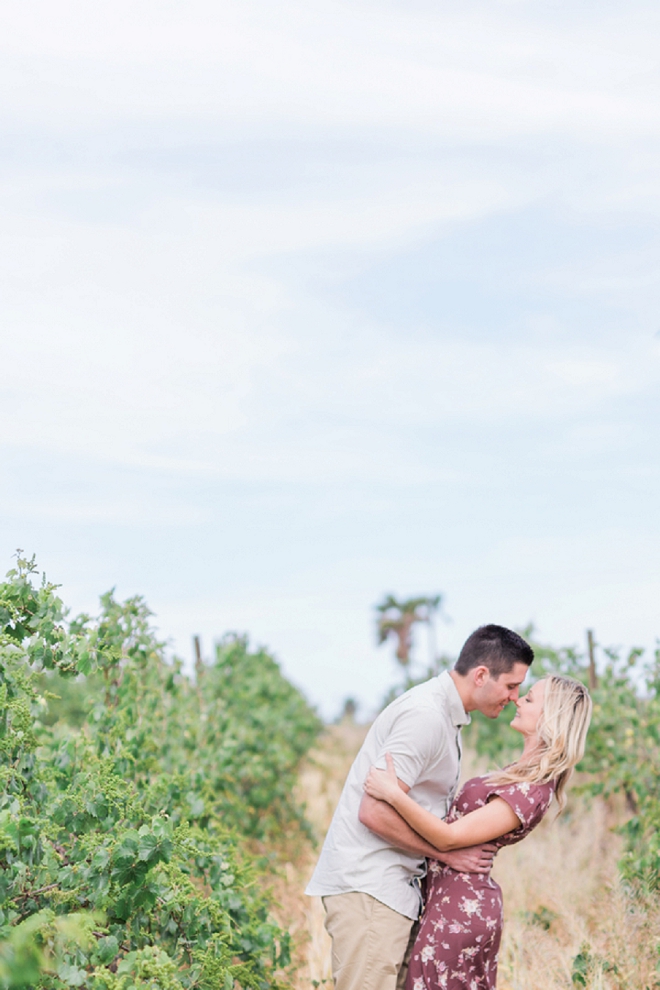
(399, 820)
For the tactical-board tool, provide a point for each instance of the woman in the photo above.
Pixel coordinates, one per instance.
(459, 936)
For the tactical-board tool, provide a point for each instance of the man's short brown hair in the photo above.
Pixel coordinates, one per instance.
(494, 647)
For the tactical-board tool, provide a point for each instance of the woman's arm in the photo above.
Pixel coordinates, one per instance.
(487, 823)
(382, 819)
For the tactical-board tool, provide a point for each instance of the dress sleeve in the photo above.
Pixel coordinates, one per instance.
(529, 801)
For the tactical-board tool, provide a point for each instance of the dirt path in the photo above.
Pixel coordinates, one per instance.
(565, 909)
(319, 788)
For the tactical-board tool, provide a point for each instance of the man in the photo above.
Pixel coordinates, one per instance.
(369, 868)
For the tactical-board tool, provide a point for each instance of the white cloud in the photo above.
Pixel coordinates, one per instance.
(472, 70)
(585, 372)
(191, 195)
(171, 342)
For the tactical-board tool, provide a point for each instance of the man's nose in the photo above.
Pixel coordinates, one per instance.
(515, 694)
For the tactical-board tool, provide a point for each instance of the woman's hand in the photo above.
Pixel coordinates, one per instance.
(383, 784)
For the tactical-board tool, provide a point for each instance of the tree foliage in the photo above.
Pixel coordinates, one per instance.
(123, 842)
(398, 617)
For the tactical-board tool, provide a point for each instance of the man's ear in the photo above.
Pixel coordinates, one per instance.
(480, 675)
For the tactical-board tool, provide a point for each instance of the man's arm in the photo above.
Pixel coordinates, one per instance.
(382, 819)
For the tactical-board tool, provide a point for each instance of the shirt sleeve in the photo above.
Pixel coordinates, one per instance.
(529, 801)
(415, 741)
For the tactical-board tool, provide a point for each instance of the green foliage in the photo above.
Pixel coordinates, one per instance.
(42, 943)
(398, 617)
(492, 738)
(588, 968)
(69, 698)
(623, 756)
(543, 917)
(256, 729)
(124, 821)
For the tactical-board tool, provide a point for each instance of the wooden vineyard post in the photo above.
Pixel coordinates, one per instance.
(199, 663)
(593, 677)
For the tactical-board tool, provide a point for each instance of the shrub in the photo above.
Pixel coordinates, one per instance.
(122, 841)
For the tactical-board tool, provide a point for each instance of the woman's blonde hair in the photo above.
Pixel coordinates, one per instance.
(562, 732)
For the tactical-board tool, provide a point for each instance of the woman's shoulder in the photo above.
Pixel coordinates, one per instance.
(530, 791)
(530, 801)
(490, 785)
(476, 783)
(473, 794)
(477, 791)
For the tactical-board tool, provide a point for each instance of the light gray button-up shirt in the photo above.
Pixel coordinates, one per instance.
(421, 730)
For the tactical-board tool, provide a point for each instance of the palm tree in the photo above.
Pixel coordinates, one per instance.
(397, 618)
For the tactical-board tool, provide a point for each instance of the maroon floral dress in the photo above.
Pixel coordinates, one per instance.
(460, 931)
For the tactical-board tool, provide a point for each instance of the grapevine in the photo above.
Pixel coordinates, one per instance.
(125, 830)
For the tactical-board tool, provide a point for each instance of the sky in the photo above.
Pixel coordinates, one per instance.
(305, 303)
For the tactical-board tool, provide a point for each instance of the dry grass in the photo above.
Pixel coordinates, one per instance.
(320, 785)
(562, 896)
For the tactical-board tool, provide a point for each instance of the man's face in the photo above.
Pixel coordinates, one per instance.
(492, 694)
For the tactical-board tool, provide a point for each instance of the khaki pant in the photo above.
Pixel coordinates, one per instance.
(370, 942)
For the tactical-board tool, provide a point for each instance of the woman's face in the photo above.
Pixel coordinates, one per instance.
(528, 710)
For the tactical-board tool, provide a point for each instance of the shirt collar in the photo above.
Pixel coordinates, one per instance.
(458, 714)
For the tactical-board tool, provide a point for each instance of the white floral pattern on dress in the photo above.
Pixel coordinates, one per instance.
(459, 937)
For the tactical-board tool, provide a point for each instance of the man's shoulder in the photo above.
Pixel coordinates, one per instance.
(429, 696)
(422, 712)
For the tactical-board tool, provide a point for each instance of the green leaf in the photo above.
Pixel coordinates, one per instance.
(107, 949)
(72, 976)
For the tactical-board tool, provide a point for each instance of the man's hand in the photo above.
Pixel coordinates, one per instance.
(473, 859)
